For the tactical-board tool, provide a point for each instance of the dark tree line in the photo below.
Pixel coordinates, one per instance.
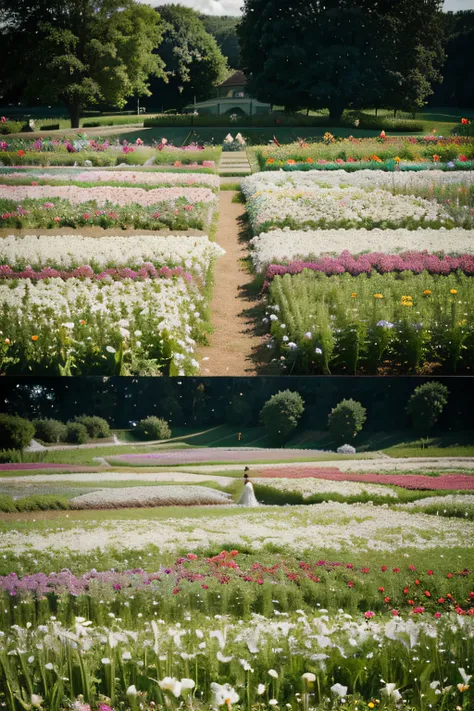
(206, 402)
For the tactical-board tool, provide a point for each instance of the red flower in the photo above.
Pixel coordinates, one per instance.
(440, 600)
(427, 593)
(411, 602)
(350, 584)
(386, 599)
(205, 587)
(234, 553)
(176, 591)
(57, 219)
(383, 568)
(471, 595)
(418, 610)
(449, 596)
(381, 589)
(411, 567)
(417, 582)
(405, 590)
(437, 615)
(463, 158)
(430, 572)
(365, 570)
(464, 121)
(449, 576)
(21, 153)
(192, 556)
(395, 613)
(396, 570)
(369, 614)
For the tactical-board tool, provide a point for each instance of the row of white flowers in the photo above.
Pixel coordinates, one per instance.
(308, 487)
(103, 194)
(285, 245)
(71, 251)
(142, 177)
(344, 206)
(363, 179)
(87, 317)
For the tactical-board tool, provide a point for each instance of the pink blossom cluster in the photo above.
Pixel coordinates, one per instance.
(452, 482)
(380, 262)
(214, 454)
(147, 271)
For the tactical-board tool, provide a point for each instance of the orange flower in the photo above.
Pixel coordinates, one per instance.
(270, 161)
(376, 159)
(291, 161)
(354, 294)
(453, 291)
(427, 292)
(464, 121)
(397, 159)
(436, 158)
(82, 322)
(309, 160)
(382, 134)
(21, 153)
(34, 338)
(378, 296)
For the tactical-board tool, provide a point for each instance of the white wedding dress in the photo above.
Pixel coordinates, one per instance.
(248, 497)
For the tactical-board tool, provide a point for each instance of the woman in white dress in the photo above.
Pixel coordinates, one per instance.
(248, 497)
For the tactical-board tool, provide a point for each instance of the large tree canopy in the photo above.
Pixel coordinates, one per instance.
(457, 88)
(224, 30)
(341, 53)
(194, 62)
(81, 52)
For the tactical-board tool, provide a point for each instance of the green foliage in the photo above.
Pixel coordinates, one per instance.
(239, 411)
(224, 30)
(426, 405)
(15, 432)
(96, 427)
(346, 420)
(81, 53)
(7, 505)
(50, 431)
(353, 53)
(76, 433)
(11, 127)
(281, 414)
(193, 61)
(153, 428)
(42, 502)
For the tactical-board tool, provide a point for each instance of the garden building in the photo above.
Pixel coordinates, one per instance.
(231, 97)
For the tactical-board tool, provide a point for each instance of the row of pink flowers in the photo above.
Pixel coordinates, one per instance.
(451, 482)
(147, 271)
(380, 262)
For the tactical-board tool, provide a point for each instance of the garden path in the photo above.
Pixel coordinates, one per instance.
(233, 342)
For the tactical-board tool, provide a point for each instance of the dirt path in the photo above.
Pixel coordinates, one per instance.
(232, 344)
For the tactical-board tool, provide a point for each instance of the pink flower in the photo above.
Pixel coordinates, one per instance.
(369, 614)
(395, 613)
(437, 615)
(3, 119)
(57, 219)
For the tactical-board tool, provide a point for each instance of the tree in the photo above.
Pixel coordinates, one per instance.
(83, 52)
(153, 428)
(224, 30)
(346, 420)
(341, 53)
(457, 88)
(426, 404)
(281, 414)
(194, 62)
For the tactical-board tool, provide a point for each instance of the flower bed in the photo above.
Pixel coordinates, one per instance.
(388, 322)
(138, 256)
(284, 247)
(259, 632)
(84, 327)
(175, 208)
(342, 207)
(215, 454)
(142, 178)
(451, 482)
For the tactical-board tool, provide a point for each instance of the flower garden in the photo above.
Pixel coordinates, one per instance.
(365, 272)
(132, 300)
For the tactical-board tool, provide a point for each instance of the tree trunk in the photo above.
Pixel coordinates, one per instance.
(376, 112)
(395, 113)
(335, 113)
(74, 114)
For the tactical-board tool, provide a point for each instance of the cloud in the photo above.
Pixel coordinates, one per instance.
(456, 5)
(209, 7)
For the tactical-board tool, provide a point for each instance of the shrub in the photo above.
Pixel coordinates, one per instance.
(153, 428)
(280, 415)
(7, 505)
(426, 404)
(346, 449)
(96, 427)
(50, 430)
(50, 127)
(346, 420)
(76, 433)
(15, 432)
(43, 502)
(10, 127)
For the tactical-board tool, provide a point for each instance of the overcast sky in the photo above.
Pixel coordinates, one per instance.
(232, 7)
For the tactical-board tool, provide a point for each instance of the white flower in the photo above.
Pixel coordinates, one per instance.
(391, 692)
(308, 335)
(465, 677)
(339, 690)
(49, 666)
(187, 684)
(36, 700)
(31, 660)
(273, 673)
(170, 684)
(132, 690)
(260, 689)
(69, 324)
(318, 351)
(223, 694)
(273, 702)
(126, 656)
(308, 677)
(110, 349)
(105, 660)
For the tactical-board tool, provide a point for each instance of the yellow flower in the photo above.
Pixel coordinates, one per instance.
(378, 296)
(453, 291)
(463, 687)
(407, 298)
(397, 159)
(406, 303)
(371, 705)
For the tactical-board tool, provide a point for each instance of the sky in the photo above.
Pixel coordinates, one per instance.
(232, 7)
